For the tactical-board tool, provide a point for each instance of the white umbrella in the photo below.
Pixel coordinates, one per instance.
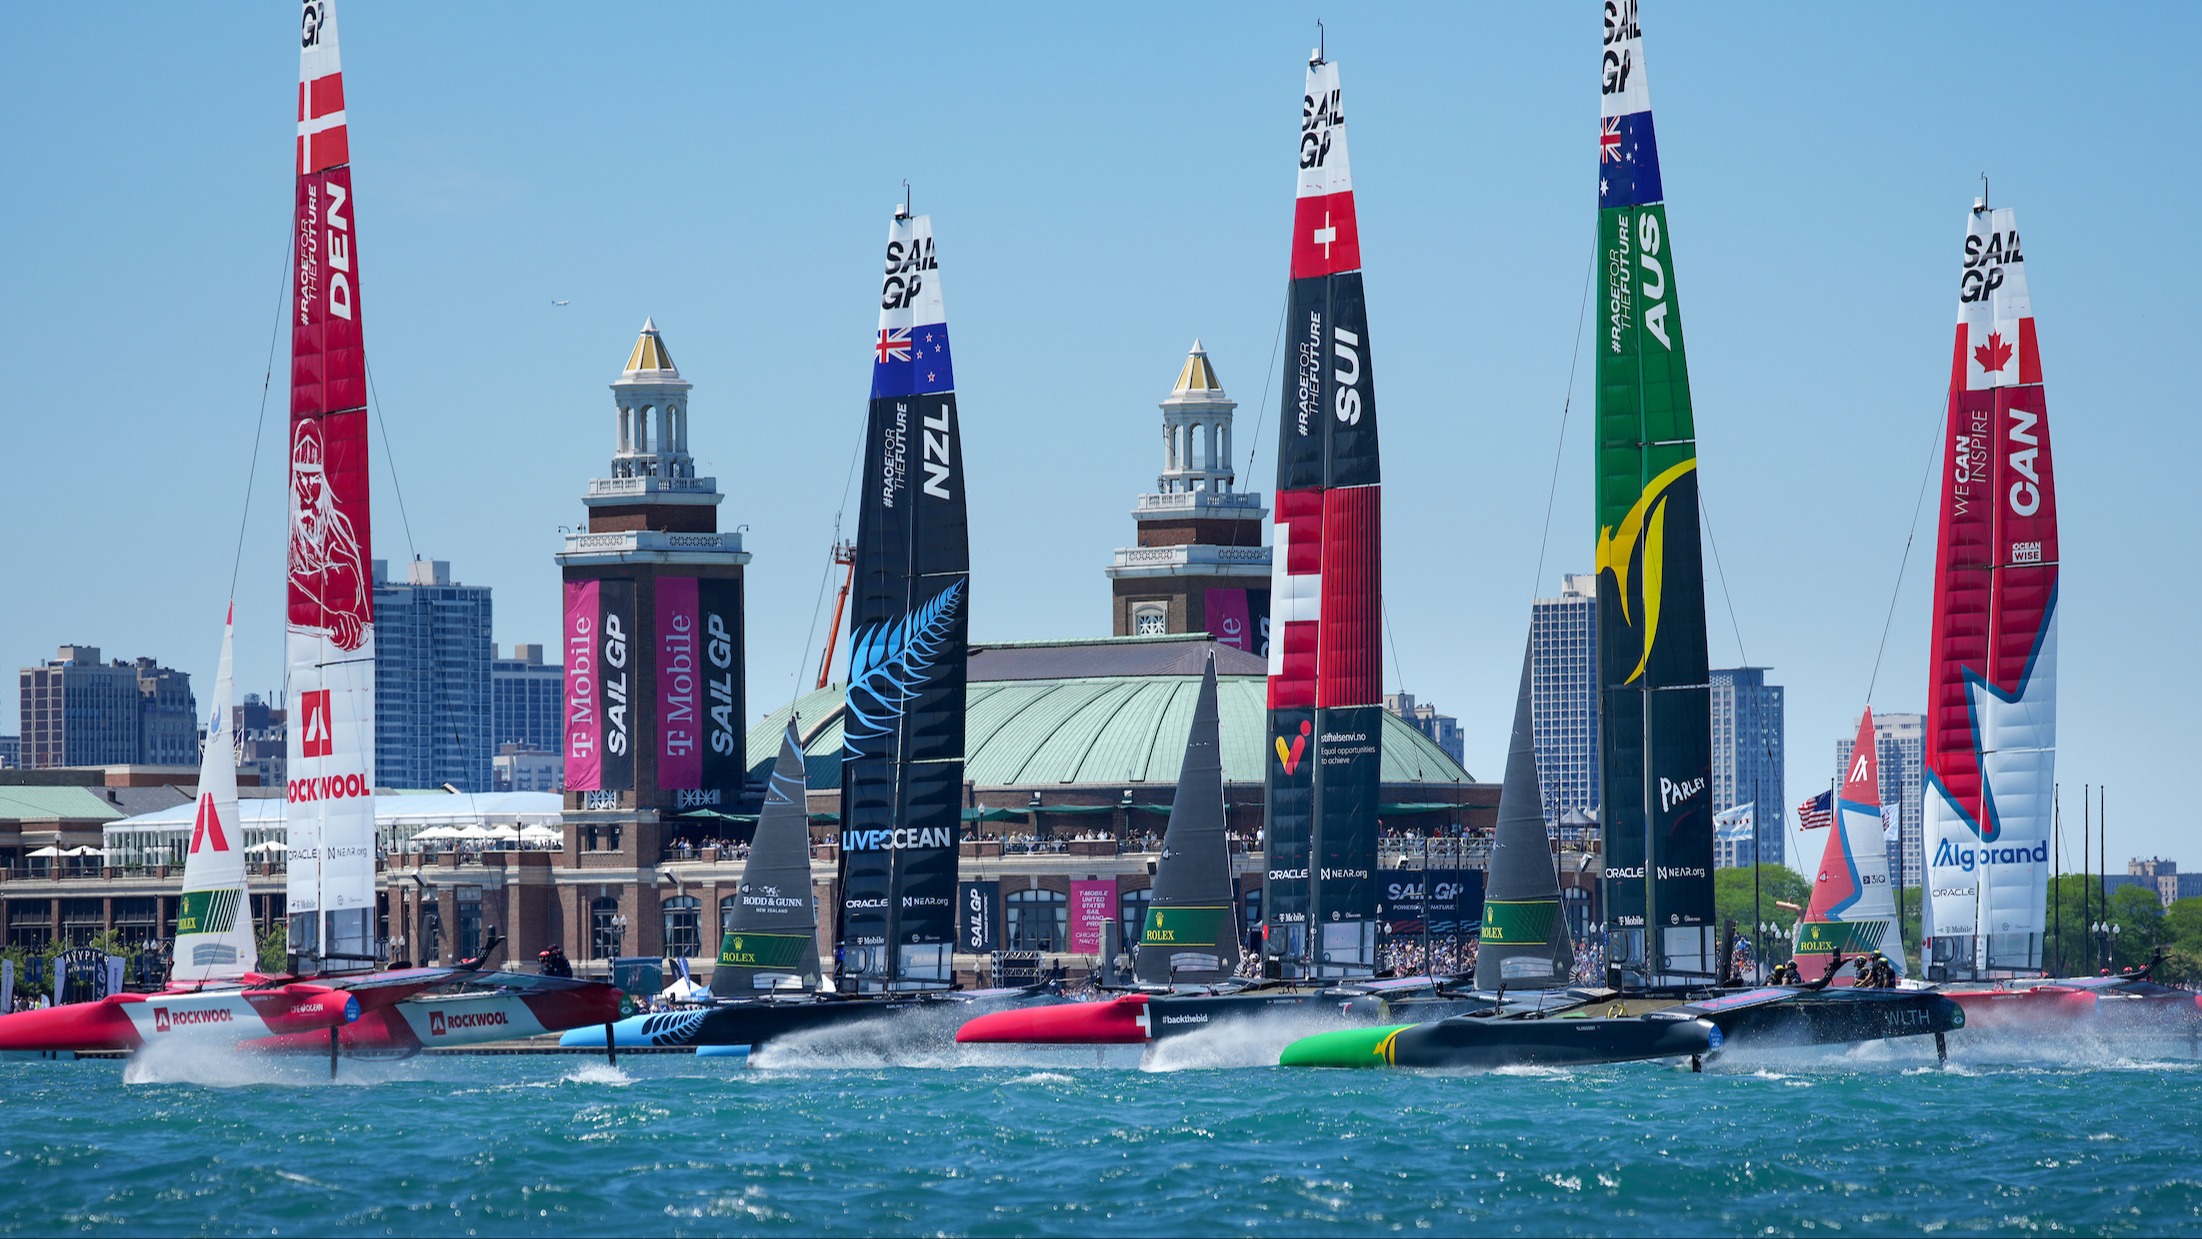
(504, 830)
(475, 831)
(682, 988)
(542, 836)
(272, 845)
(86, 850)
(47, 851)
(435, 832)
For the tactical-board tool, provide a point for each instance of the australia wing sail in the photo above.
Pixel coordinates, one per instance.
(771, 936)
(1324, 758)
(1655, 703)
(1992, 675)
(902, 764)
(214, 938)
(331, 634)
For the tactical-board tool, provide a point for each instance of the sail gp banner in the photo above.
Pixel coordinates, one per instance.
(584, 694)
(1239, 618)
(680, 743)
(698, 738)
(1092, 905)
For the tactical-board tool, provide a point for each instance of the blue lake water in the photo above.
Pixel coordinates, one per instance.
(1870, 1141)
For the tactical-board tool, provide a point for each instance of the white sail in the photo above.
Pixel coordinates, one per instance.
(214, 937)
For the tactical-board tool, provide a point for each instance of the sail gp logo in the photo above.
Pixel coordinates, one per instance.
(319, 734)
(1290, 754)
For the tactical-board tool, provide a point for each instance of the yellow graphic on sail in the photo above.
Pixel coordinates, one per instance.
(1617, 550)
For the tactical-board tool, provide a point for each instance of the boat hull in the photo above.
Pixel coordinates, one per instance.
(1143, 1019)
(2085, 1004)
(133, 1021)
(445, 1021)
(1831, 1016)
(760, 1021)
(1480, 1042)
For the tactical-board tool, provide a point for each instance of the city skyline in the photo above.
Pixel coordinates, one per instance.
(1472, 150)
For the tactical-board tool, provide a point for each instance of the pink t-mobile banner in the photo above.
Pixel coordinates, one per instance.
(584, 710)
(680, 721)
(1092, 905)
(1228, 621)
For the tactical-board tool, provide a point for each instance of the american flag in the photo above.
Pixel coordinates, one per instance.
(1818, 813)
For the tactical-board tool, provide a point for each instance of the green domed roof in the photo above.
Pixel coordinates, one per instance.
(1110, 730)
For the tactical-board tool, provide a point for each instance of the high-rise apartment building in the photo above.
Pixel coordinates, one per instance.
(432, 682)
(527, 700)
(1902, 741)
(78, 711)
(1563, 679)
(1442, 729)
(1747, 753)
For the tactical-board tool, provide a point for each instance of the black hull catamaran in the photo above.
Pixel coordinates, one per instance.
(1655, 713)
(903, 729)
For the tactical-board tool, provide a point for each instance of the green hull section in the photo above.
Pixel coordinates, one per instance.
(1347, 1047)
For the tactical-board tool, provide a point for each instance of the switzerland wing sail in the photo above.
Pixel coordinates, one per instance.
(214, 938)
(1324, 755)
(902, 765)
(1655, 706)
(331, 634)
(1992, 674)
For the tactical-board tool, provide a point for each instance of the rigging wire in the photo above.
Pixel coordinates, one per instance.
(390, 458)
(1559, 449)
(1261, 410)
(1933, 451)
(825, 578)
(267, 380)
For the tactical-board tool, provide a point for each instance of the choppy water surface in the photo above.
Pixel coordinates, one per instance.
(1873, 1141)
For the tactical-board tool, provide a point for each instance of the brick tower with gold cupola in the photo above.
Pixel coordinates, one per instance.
(1200, 565)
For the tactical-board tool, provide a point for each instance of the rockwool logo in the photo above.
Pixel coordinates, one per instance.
(319, 739)
(165, 1020)
(440, 1024)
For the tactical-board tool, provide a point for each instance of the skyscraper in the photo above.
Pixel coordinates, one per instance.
(1442, 729)
(527, 696)
(1563, 671)
(1902, 741)
(432, 685)
(78, 711)
(1747, 753)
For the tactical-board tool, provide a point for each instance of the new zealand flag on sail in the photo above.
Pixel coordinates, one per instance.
(1628, 161)
(909, 360)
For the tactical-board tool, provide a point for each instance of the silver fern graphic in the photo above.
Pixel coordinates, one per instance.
(674, 1028)
(890, 664)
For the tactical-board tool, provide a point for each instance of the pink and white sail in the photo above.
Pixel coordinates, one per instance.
(214, 934)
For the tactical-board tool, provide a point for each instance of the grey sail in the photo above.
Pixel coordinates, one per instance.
(1525, 942)
(771, 935)
(1191, 934)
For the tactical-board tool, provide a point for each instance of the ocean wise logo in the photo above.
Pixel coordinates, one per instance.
(1645, 524)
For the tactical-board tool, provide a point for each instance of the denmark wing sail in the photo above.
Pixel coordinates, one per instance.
(331, 633)
(1525, 943)
(1655, 706)
(1324, 758)
(1992, 675)
(902, 764)
(1191, 934)
(771, 935)
(214, 937)
(1853, 907)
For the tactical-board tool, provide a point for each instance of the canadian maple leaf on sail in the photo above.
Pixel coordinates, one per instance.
(1994, 355)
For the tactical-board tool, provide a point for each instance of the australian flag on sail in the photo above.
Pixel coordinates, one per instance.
(908, 361)
(1628, 161)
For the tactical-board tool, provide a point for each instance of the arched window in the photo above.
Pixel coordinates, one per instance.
(1037, 920)
(605, 931)
(1131, 913)
(1150, 619)
(683, 927)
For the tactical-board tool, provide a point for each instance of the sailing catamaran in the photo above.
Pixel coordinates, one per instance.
(1852, 912)
(1655, 712)
(903, 726)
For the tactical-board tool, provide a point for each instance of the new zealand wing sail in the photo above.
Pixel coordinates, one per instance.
(1191, 934)
(331, 633)
(1992, 675)
(1525, 943)
(1853, 908)
(1655, 703)
(772, 933)
(1325, 689)
(902, 767)
(214, 938)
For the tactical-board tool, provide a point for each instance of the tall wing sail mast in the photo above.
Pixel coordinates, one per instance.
(1325, 675)
(1190, 935)
(1655, 703)
(331, 633)
(214, 938)
(1992, 674)
(771, 936)
(902, 763)
(1853, 907)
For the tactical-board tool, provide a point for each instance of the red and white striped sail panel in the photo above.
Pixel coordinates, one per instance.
(1862, 779)
(322, 141)
(1350, 670)
(1296, 600)
(1325, 237)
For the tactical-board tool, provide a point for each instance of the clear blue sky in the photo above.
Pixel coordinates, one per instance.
(1108, 184)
